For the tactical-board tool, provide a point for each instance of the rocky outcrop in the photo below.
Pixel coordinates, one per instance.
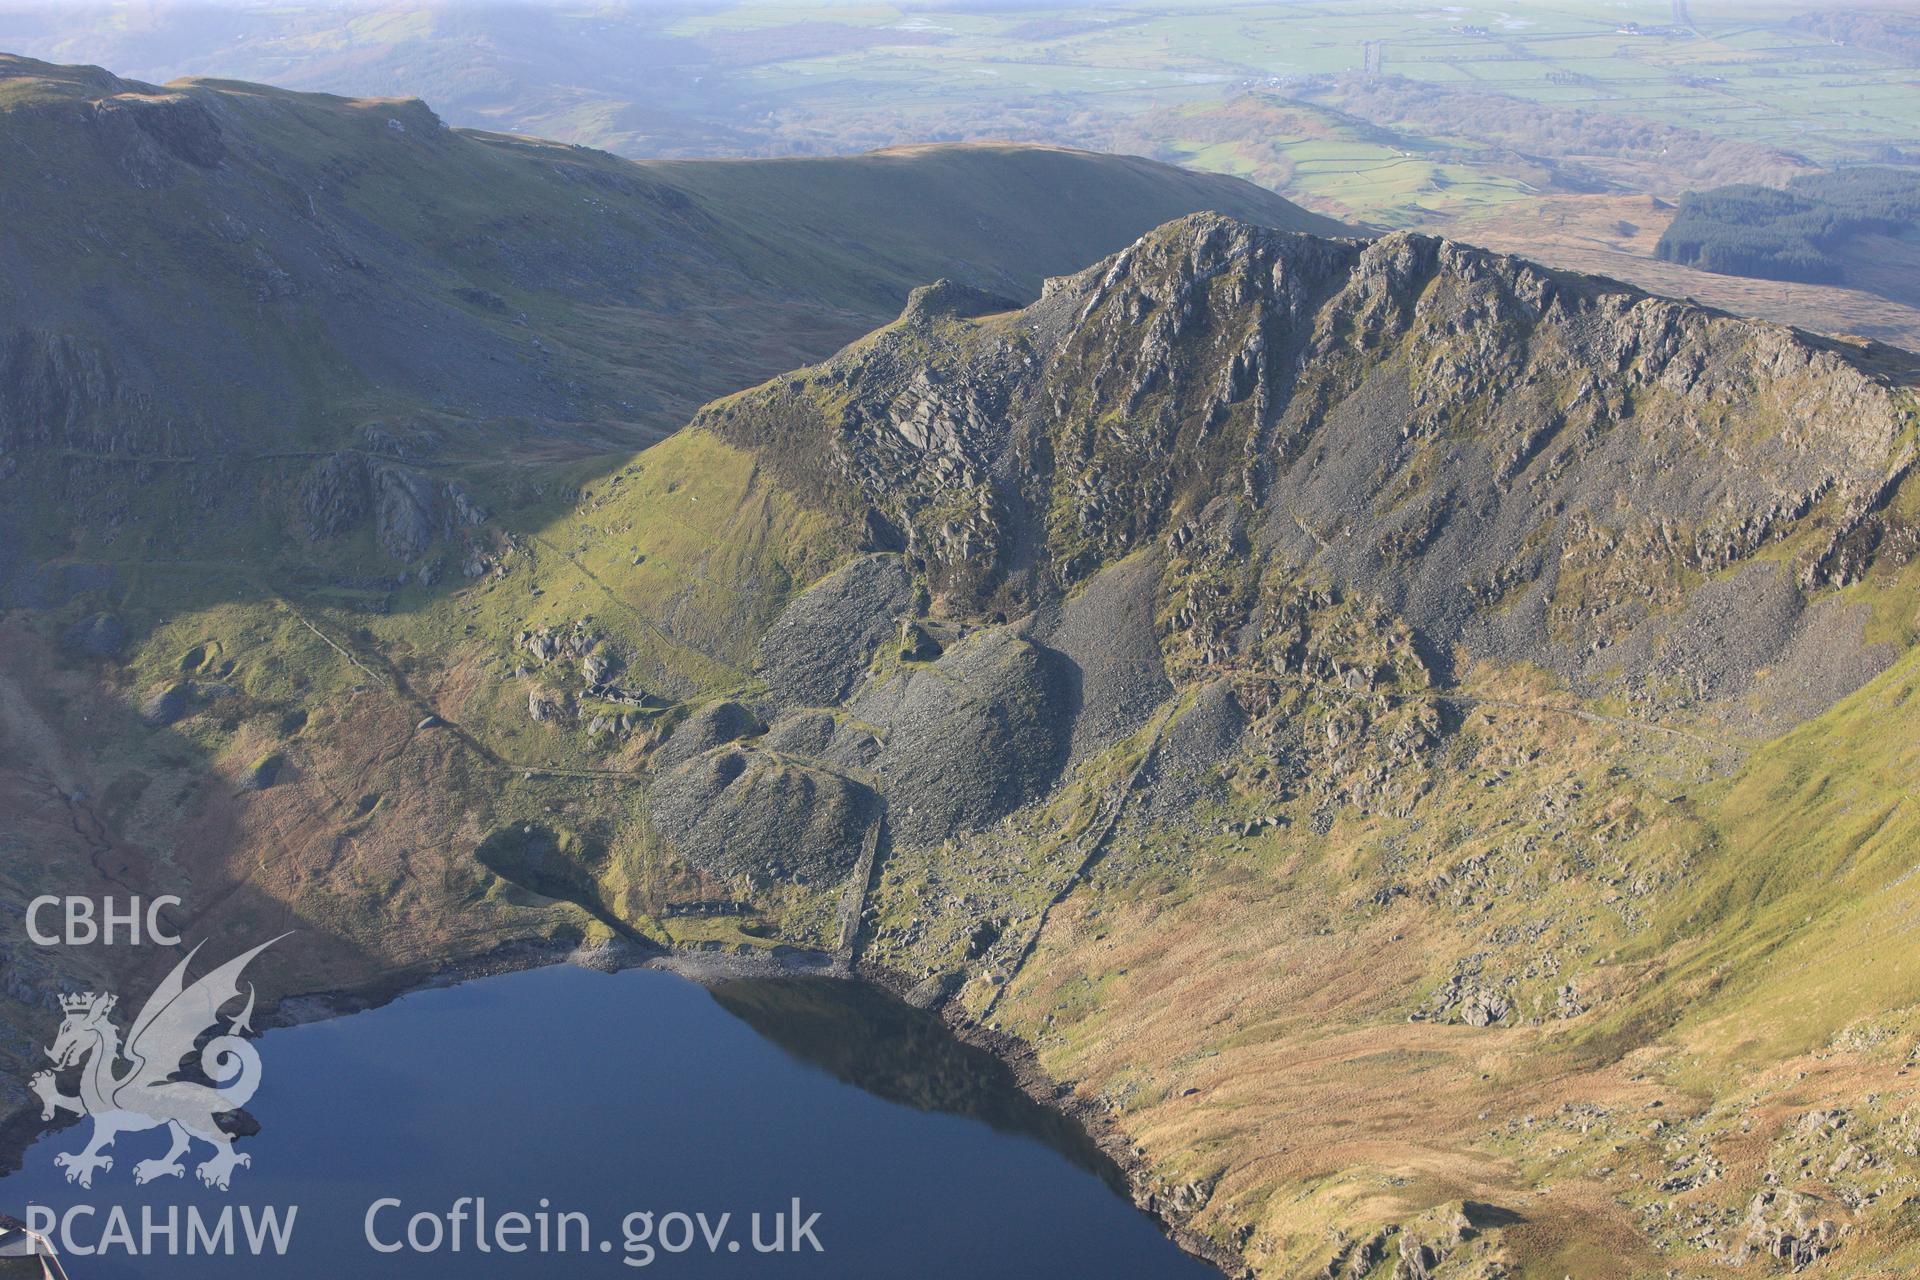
(1278, 488)
(142, 127)
(554, 644)
(1521, 466)
(409, 510)
(1792, 1227)
(334, 495)
(403, 505)
(58, 389)
(951, 299)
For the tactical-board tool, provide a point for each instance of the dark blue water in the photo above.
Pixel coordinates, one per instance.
(608, 1095)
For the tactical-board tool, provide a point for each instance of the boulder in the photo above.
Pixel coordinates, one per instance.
(598, 667)
(1417, 1260)
(1792, 1227)
(916, 645)
(544, 704)
(164, 706)
(1484, 1008)
(263, 773)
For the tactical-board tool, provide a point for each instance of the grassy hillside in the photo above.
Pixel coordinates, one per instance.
(1548, 133)
(1019, 213)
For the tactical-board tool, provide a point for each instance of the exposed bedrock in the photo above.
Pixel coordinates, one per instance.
(1522, 466)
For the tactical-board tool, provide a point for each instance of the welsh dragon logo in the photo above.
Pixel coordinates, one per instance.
(144, 1095)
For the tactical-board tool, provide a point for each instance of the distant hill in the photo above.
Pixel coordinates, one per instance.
(213, 265)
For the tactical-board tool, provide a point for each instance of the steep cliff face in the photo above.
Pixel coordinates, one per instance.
(1323, 495)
